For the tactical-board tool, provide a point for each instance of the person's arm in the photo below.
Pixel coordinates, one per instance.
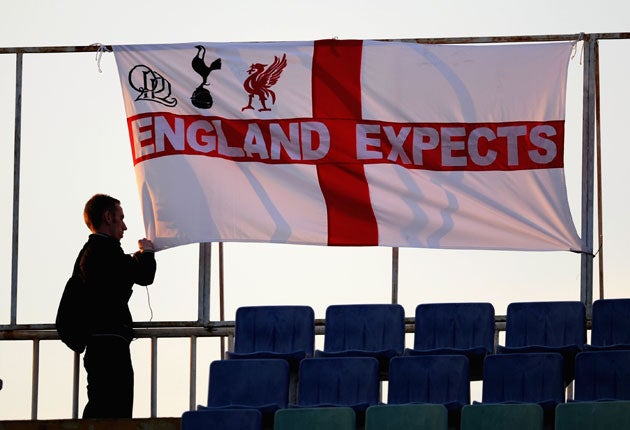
(144, 263)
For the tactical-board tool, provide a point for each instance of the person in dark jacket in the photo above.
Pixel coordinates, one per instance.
(109, 274)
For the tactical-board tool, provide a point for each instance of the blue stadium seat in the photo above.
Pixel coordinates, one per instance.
(333, 418)
(512, 416)
(593, 415)
(261, 384)
(525, 378)
(546, 327)
(406, 417)
(224, 419)
(439, 379)
(602, 375)
(610, 324)
(339, 381)
(367, 330)
(455, 328)
(286, 332)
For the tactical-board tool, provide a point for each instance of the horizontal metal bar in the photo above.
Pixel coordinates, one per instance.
(153, 324)
(516, 39)
(53, 49)
(431, 40)
(138, 333)
(142, 330)
(183, 329)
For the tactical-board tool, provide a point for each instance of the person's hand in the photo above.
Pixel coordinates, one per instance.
(145, 245)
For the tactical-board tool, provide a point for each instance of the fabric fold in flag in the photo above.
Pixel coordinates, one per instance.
(350, 142)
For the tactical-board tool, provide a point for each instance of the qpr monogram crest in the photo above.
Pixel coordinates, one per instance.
(151, 86)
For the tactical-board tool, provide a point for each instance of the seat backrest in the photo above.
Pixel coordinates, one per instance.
(593, 415)
(552, 324)
(281, 329)
(515, 416)
(224, 419)
(429, 379)
(366, 327)
(602, 375)
(407, 417)
(530, 377)
(339, 381)
(611, 325)
(252, 383)
(333, 418)
(454, 325)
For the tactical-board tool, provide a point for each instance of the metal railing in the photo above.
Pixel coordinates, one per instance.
(154, 332)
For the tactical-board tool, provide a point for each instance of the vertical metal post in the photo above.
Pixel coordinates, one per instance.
(496, 340)
(395, 275)
(588, 138)
(193, 373)
(570, 391)
(17, 142)
(75, 386)
(153, 377)
(35, 388)
(230, 338)
(600, 215)
(203, 306)
(221, 296)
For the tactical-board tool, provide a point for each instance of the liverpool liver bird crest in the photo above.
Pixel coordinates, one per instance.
(260, 80)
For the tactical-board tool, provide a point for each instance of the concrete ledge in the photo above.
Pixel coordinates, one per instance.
(93, 424)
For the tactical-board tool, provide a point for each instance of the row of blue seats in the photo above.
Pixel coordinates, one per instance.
(378, 330)
(513, 416)
(353, 382)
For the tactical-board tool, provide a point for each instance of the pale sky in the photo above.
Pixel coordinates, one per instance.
(75, 143)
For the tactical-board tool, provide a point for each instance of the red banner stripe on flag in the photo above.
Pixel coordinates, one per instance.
(337, 79)
(337, 93)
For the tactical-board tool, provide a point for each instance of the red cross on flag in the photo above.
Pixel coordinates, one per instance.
(350, 142)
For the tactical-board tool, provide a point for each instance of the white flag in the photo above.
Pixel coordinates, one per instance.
(350, 142)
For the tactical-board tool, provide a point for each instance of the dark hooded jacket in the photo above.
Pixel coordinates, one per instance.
(109, 274)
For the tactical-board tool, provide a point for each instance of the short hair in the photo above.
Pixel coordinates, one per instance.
(96, 207)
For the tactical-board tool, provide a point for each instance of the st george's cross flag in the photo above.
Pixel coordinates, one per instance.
(350, 142)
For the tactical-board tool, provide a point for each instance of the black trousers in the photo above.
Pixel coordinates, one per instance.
(110, 378)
